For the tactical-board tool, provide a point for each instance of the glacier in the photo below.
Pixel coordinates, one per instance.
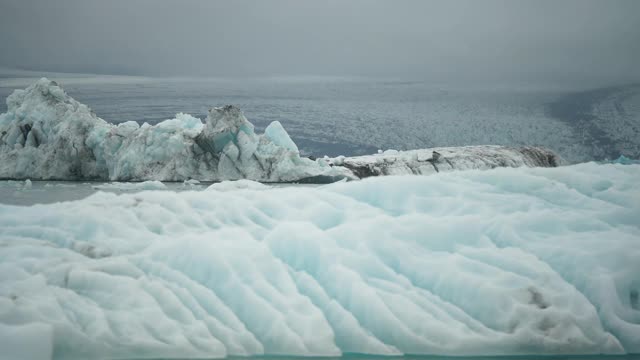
(47, 135)
(510, 261)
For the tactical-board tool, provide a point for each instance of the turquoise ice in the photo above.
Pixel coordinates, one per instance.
(500, 262)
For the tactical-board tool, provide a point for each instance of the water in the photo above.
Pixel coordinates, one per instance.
(47, 192)
(337, 116)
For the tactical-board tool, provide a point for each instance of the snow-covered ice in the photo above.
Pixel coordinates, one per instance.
(47, 135)
(507, 261)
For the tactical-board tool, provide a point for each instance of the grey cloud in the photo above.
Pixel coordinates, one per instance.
(463, 40)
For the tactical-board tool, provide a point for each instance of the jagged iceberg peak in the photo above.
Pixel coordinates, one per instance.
(46, 134)
(227, 118)
(227, 122)
(230, 140)
(43, 134)
(42, 90)
(223, 125)
(276, 133)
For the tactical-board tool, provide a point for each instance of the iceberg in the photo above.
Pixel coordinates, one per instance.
(511, 261)
(47, 135)
(435, 160)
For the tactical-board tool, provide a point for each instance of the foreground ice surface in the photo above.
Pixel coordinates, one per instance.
(26, 342)
(507, 261)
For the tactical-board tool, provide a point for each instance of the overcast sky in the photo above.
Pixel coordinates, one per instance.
(474, 40)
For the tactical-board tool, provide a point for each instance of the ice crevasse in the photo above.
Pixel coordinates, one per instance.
(46, 134)
(502, 262)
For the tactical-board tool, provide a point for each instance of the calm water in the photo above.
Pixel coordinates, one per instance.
(46, 192)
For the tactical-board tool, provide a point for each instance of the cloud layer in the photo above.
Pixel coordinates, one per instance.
(462, 41)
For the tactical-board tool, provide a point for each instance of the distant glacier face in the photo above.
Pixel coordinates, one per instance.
(500, 262)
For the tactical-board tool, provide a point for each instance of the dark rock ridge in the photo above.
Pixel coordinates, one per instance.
(431, 161)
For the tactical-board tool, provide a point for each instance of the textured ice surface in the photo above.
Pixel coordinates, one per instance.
(507, 261)
(46, 134)
(607, 119)
(431, 161)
